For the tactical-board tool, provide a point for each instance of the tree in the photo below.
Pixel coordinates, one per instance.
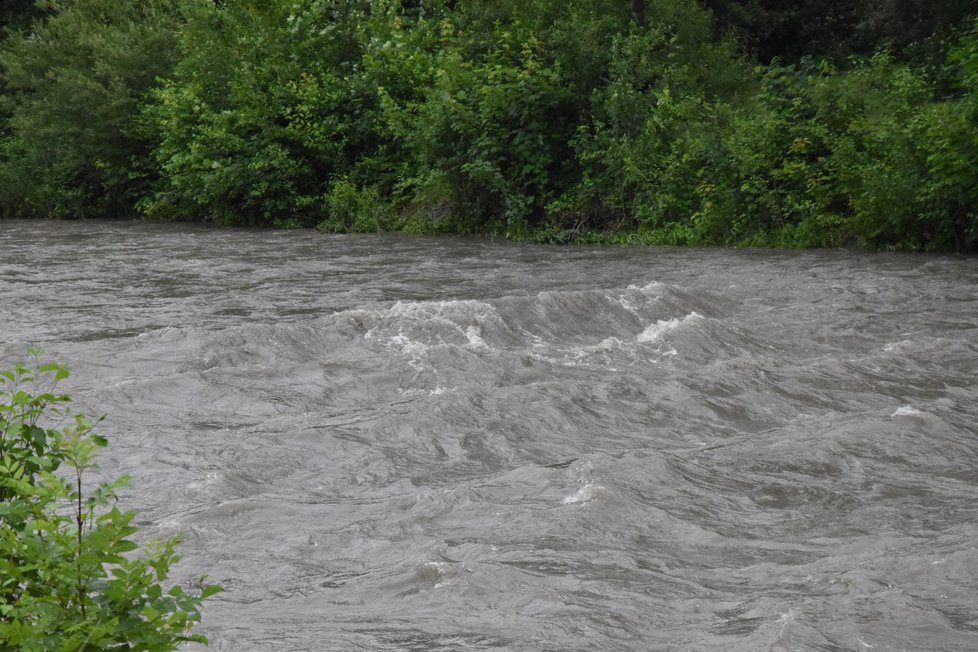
(74, 88)
(264, 113)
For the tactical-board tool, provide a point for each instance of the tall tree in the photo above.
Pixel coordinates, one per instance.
(74, 87)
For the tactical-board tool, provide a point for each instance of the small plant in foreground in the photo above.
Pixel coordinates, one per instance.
(66, 580)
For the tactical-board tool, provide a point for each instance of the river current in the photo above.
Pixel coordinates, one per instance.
(392, 443)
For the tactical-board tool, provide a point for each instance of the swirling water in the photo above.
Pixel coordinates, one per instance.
(388, 443)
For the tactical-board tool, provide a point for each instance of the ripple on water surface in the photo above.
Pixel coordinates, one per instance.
(388, 443)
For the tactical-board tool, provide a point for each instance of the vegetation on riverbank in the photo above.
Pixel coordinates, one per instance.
(68, 578)
(753, 122)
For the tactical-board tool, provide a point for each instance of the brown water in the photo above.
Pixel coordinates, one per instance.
(387, 443)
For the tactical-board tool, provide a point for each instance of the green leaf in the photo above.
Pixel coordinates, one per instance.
(211, 589)
(123, 546)
(150, 614)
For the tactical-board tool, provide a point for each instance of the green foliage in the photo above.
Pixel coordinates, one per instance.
(497, 131)
(952, 151)
(879, 164)
(17, 14)
(223, 154)
(651, 125)
(584, 120)
(356, 210)
(73, 87)
(274, 101)
(837, 29)
(813, 157)
(68, 580)
(770, 182)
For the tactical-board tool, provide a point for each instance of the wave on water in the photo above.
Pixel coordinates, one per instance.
(905, 411)
(383, 443)
(434, 346)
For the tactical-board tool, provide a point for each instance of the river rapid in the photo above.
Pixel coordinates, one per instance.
(392, 443)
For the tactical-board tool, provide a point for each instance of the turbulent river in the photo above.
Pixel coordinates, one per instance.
(390, 443)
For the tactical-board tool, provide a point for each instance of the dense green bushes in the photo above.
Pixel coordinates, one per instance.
(554, 121)
(265, 107)
(67, 578)
(494, 131)
(822, 158)
(810, 156)
(70, 143)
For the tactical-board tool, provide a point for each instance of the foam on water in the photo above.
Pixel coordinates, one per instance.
(382, 443)
(664, 326)
(906, 411)
(585, 494)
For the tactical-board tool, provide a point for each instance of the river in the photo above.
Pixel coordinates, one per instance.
(392, 443)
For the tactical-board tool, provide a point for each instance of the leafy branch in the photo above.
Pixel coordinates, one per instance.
(67, 578)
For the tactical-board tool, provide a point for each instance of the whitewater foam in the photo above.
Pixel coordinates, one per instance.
(585, 494)
(663, 326)
(906, 411)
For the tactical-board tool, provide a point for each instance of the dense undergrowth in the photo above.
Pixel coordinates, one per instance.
(579, 121)
(69, 575)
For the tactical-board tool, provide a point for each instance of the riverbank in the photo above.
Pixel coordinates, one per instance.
(603, 121)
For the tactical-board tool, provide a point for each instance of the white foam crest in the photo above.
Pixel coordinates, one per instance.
(474, 337)
(629, 300)
(784, 620)
(414, 350)
(431, 571)
(663, 326)
(585, 494)
(423, 310)
(647, 288)
(423, 323)
(166, 333)
(607, 344)
(897, 346)
(906, 411)
(437, 574)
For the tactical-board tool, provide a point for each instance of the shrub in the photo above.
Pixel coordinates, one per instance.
(651, 130)
(262, 115)
(67, 580)
(72, 86)
(353, 209)
(497, 131)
